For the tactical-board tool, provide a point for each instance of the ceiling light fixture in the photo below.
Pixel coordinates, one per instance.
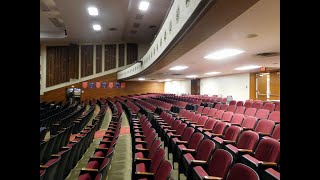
(93, 11)
(144, 5)
(212, 73)
(192, 76)
(247, 67)
(142, 79)
(96, 27)
(224, 53)
(178, 68)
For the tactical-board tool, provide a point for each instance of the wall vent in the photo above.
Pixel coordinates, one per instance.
(268, 54)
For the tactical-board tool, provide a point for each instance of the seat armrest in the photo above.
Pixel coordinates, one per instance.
(188, 150)
(198, 162)
(263, 164)
(229, 142)
(198, 125)
(246, 129)
(212, 177)
(171, 130)
(182, 142)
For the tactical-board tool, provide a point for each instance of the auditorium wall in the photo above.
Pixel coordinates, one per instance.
(131, 87)
(178, 87)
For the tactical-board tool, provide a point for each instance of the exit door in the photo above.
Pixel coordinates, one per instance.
(268, 86)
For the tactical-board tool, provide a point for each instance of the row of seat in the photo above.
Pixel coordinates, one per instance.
(98, 165)
(61, 155)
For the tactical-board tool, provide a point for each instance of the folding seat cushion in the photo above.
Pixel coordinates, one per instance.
(230, 137)
(148, 153)
(267, 154)
(242, 172)
(237, 119)
(262, 114)
(205, 111)
(102, 152)
(250, 112)
(232, 108)
(264, 127)
(218, 130)
(275, 116)
(270, 174)
(232, 102)
(249, 123)
(275, 134)
(101, 165)
(209, 125)
(239, 103)
(240, 110)
(218, 166)
(201, 122)
(247, 143)
(212, 112)
(227, 116)
(201, 155)
(187, 146)
(269, 106)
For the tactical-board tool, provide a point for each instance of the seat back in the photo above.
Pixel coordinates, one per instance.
(277, 108)
(262, 114)
(220, 163)
(187, 133)
(224, 107)
(239, 103)
(104, 167)
(248, 140)
(241, 171)
(181, 128)
(250, 112)
(227, 116)
(237, 119)
(268, 150)
(175, 124)
(206, 110)
(190, 115)
(212, 112)
(240, 110)
(265, 126)
(195, 140)
(232, 133)
(257, 104)
(248, 104)
(218, 106)
(210, 123)
(275, 116)
(232, 102)
(196, 118)
(164, 171)
(249, 122)
(232, 108)
(202, 120)
(154, 147)
(276, 133)
(205, 150)
(269, 106)
(157, 159)
(218, 114)
(200, 108)
(182, 111)
(219, 128)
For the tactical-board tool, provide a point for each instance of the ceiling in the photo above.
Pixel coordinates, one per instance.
(119, 14)
(263, 19)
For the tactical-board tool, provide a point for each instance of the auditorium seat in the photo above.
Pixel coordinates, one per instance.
(201, 122)
(232, 108)
(240, 110)
(218, 130)
(186, 135)
(50, 168)
(232, 102)
(275, 116)
(242, 172)
(264, 127)
(250, 112)
(205, 111)
(275, 134)
(248, 104)
(163, 173)
(239, 103)
(95, 166)
(224, 107)
(226, 117)
(148, 153)
(218, 166)
(262, 114)
(212, 112)
(237, 119)
(270, 106)
(230, 137)
(208, 126)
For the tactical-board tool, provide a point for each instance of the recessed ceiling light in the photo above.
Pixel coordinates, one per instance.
(212, 73)
(96, 27)
(178, 68)
(167, 80)
(224, 53)
(142, 79)
(93, 11)
(247, 67)
(144, 5)
(192, 76)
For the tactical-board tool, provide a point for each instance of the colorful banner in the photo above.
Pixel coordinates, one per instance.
(123, 85)
(91, 85)
(110, 84)
(84, 85)
(117, 85)
(104, 84)
(98, 84)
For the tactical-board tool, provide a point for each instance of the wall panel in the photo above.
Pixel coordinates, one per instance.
(110, 56)
(86, 60)
(98, 58)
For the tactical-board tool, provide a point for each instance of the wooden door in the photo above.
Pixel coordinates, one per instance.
(275, 86)
(195, 86)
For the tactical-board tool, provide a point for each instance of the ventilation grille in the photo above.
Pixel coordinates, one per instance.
(268, 54)
(176, 74)
(139, 16)
(56, 22)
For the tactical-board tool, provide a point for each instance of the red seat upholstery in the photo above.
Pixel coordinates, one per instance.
(242, 172)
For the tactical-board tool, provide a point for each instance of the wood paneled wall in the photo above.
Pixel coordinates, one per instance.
(86, 60)
(110, 56)
(132, 52)
(121, 55)
(131, 87)
(73, 61)
(57, 65)
(252, 85)
(98, 58)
